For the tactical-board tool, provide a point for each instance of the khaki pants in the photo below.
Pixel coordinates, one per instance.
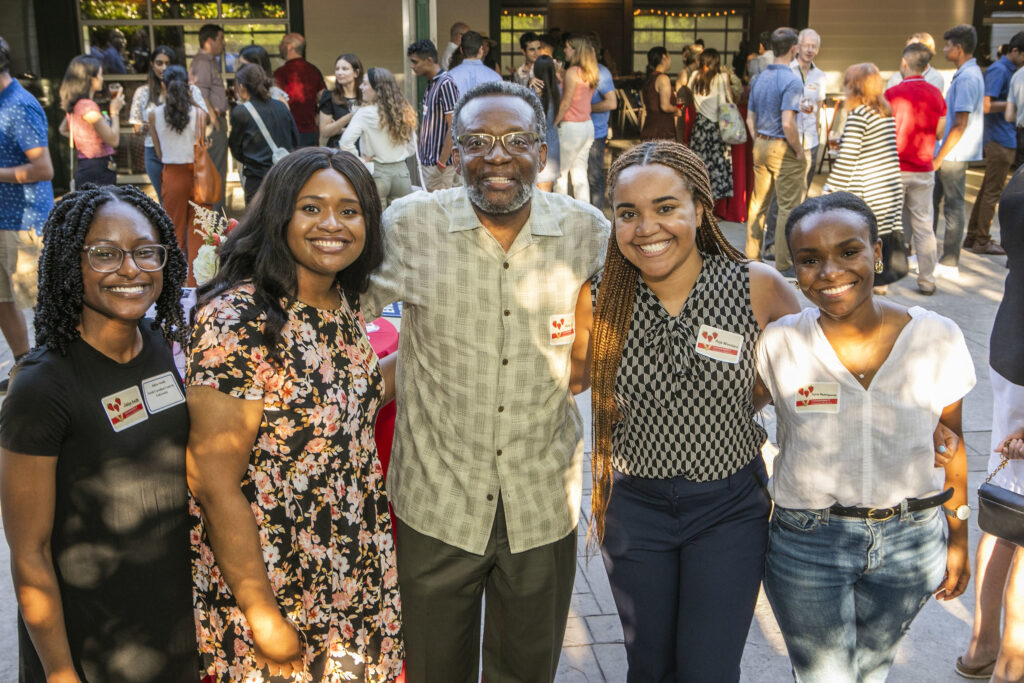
(392, 180)
(19, 277)
(776, 167)
(998, 160)
(917, 221)
(433, 179)
(527, 604)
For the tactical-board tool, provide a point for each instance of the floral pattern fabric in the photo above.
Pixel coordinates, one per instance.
(316, 489)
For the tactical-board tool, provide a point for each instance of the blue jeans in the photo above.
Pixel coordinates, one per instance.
(154, 169)
(685, 561)
(845, 590)
(951, 186)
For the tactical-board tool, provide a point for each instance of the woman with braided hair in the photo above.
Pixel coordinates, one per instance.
(92, 452)
(678, 506)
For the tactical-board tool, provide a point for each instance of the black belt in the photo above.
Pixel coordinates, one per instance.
(882, 514)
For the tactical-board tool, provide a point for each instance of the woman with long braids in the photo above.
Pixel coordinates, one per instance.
(175, 125)
(92, 452)
(338, 105)
(292, 556)
(678, 505)
(148, 97)
(384, 129)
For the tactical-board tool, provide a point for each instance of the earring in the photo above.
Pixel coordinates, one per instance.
(879, 267)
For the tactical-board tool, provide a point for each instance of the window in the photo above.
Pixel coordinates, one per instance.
(513, 25)
(677, 29)
(148, 23)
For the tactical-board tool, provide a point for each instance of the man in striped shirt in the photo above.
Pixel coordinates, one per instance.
(435, 146)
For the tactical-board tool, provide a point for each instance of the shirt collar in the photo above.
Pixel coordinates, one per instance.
(972, 62)
(542, 220)
(918, 77)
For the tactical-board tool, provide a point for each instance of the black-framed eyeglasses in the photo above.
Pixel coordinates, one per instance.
(517, 143)
(108, 259)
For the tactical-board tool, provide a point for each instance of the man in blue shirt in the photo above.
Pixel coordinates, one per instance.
(602, 104)
(778, 153)
(1000, 148)
(472, 71)
(25, 195)
(962, 142)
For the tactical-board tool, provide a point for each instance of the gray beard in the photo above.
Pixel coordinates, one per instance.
(521, 198)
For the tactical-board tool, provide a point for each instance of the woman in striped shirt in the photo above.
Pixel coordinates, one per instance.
(869, 166)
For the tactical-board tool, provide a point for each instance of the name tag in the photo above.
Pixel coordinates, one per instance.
(719, 344)
(562, 328)
(161, 392)
(820, 397)
(367, 352)
(125, 409)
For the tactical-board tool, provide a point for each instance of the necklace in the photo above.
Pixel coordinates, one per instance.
(878, 334)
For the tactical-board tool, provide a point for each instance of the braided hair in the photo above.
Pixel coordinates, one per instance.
(59, 305)
(615, 303)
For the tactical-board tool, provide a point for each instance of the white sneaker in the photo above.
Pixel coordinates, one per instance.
(951, 273)
(912, 263)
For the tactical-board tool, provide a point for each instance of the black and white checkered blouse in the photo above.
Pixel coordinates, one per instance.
(683, 413)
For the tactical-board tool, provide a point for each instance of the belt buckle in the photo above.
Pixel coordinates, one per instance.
(881, 514)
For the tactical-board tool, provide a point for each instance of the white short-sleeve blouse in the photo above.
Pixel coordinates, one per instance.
(842, 443)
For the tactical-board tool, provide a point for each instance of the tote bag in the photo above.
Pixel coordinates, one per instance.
(730, 123)
(207, 184)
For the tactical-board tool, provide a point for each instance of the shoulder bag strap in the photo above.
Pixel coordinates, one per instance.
(259, 124)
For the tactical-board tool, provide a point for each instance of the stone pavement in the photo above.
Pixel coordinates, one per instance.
(593, 650)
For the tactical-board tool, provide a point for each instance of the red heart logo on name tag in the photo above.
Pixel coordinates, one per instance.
(557, 324)
(810, 390)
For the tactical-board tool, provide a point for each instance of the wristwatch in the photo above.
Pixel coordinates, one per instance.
(961, 513)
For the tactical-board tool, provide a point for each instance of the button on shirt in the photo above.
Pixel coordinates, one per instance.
(842, 443)
(966, 93)
(470, 73)
(997, 87)
(22, 127)
(776, 89)
(484, 360)
(814, 89)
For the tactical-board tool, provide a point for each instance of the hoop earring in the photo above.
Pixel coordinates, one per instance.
(879, 267)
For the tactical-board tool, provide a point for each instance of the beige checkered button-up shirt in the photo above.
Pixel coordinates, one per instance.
(484, 358)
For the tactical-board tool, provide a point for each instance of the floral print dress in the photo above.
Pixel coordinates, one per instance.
(315, 486)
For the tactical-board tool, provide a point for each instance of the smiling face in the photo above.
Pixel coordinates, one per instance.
(327, 231)
(127, 293)
(834, 258)
(499, 183)
(369, 94)
(656, 220)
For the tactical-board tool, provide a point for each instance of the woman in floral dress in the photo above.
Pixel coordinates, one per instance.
(293, 560)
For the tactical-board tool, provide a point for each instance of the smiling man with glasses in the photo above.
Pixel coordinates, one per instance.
(486, 469)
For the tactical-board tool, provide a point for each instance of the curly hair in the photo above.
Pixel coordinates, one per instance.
(396, 116)
(257, 249)
(59, 305)
(615, 303)
(178, 105)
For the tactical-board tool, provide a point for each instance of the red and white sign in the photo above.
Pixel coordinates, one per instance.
(562, 328)
(819, 397)
(719, 344)
(125, 408)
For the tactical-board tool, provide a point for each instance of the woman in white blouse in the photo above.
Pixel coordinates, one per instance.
(385, 130)
(859, 384)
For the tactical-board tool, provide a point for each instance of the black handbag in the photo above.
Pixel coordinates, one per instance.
(1001, 511)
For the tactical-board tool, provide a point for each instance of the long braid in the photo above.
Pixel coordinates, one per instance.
(615, 305)
(59, 303)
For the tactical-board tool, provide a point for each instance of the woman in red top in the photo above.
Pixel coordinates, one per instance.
(575, 129)
(94, 135)
(659, 98)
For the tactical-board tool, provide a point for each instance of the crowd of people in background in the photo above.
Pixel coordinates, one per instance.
(233, 519)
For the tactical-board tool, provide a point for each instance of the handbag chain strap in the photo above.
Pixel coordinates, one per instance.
(996, 470)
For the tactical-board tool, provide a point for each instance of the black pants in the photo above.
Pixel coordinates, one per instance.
(685, 560)
(96, 171)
